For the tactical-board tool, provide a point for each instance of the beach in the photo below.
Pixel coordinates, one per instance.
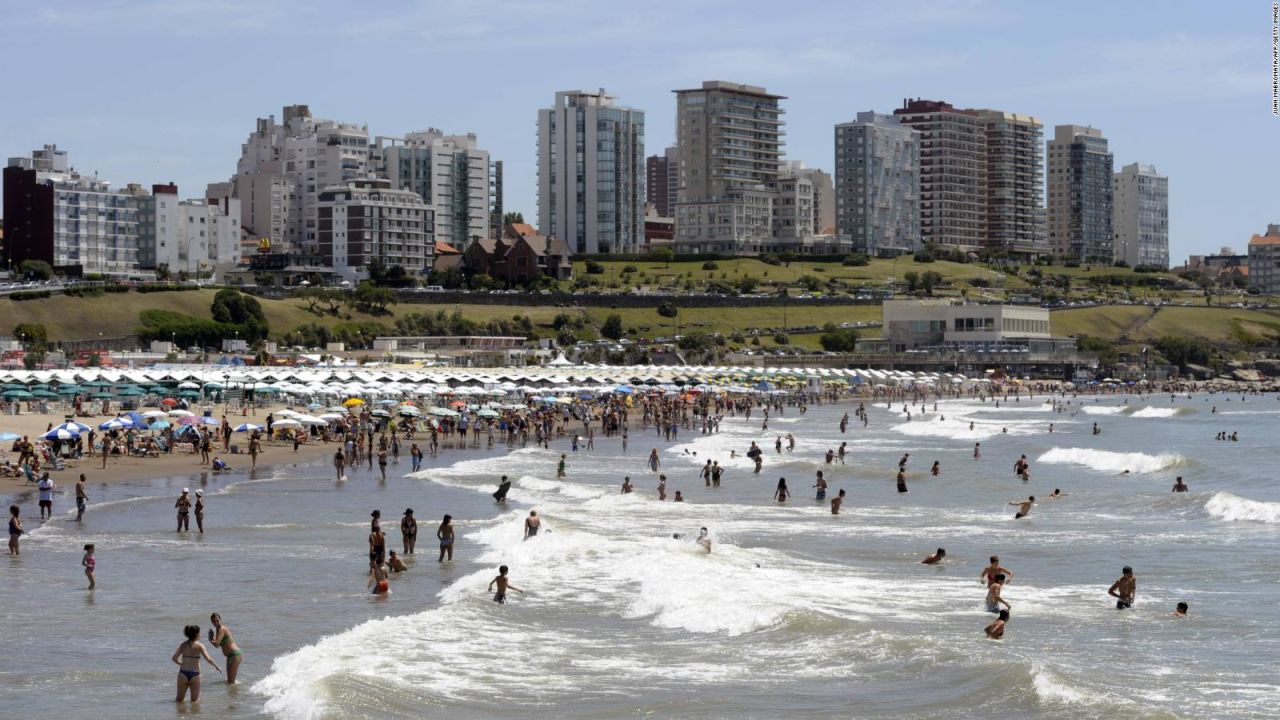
(795, 612)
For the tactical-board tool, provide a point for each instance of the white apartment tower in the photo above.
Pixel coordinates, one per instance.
(1141, 219)
(450, 173)
(877, 203)
(591, 173)
(1081, 187)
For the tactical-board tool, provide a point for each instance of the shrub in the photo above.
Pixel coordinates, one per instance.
(29, 295)
(710, 265)
(612, 327)
(667, 310)
(594, 268)
(856, 260)
(839, 339)
(770, 259)
(628, 269)
(782, 339)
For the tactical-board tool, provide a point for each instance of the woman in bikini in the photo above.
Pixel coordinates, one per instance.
(187, 657)
(220, 636)
(445, 534)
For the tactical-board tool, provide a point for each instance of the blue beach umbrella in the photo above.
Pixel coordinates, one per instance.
(59, 433)
(247, 427)
(8, 436)
(74, 427)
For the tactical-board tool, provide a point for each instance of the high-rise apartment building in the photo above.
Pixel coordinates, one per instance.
(953, 191)
(1080, 199)
(495, 199)
(1141, 217)
(1014, 169)
(729, 144)
(591, 173)
(793, 210)
(367, 220)
(71, 221)
(450, 173)
(877, 204)
(662, 174)
(303, 156)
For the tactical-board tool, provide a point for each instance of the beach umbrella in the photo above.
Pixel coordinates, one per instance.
(209, 420)
(352, 402)
(73, 426)
(332, 417)
(60, 433)
(168, 402)
(213, 386)
(458, 403)
(116, 424)
(443, 412)
(189, 394)
(410, 411)
(132, 392)
(247, 427)
(180, 413)
(44, 394)
(311, 420)
(154, 414)
(388, 402)
(160, 425)
(267, 390)
(13, 386)
(8, 436)
(70, 390)
(16, 395)
(489, 413)
(286, 424)
(380, 413)
(102, 396)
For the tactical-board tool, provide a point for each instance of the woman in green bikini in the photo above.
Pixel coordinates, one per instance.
(187, 658)
(220, 636)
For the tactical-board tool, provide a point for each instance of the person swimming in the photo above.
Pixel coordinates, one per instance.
(704, 540)
(995, 630)
(935, 558)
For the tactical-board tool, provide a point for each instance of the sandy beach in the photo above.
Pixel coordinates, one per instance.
(122, 468)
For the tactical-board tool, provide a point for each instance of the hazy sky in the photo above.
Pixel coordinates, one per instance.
(152, 91)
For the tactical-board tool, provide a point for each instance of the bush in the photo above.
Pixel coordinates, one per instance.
(979, 282)
(31, 333)
(612, 327)
(710, 265)
(155, 288)
(29, 295)
(769, 259)
(782, 339)
(35, 270)
(856, 260)
(667, 310)
(839, 339)
(594, 268)
(1071, 264)
(626, 269)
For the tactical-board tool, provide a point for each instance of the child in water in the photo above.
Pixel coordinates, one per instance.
(503, 584)
(89, 562)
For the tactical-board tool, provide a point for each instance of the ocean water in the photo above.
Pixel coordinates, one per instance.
(795, 613)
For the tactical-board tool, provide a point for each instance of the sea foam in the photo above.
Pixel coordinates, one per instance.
(1106, 461)
(1232, 508)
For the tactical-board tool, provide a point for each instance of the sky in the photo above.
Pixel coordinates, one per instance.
(153, 91)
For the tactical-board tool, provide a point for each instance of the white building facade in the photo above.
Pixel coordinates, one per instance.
(1141, 222)
(451, 174)
(591, 173)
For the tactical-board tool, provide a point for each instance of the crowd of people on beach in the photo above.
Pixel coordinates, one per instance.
(363, 438)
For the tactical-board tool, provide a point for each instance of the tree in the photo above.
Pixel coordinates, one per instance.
(835, 339)
(512, 217)
(612, 327)
(372, 299)
(929, 280)
(913, 280)
(664, 255)
(1182, 351)
(33, 333)
(667, 310)
(35, 269)
(748, 284)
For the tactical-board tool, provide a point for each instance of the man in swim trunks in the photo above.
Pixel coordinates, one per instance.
(81, 498)
(821, 485)
(532, 524)
(46, 497)
(1024, 507)
(1124, 589)
(1179, 486)
(836, 502)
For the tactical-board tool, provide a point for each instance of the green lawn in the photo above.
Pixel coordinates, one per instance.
(1140, 323)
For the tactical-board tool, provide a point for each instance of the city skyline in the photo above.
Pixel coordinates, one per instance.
(183, 120)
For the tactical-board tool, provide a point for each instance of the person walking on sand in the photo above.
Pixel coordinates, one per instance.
(88, 562)
(187, 657)
(408, 531)
(183, 505)
(444, 534)
(255, 447)
(220, 636)
(1124, 589)
(503, 584)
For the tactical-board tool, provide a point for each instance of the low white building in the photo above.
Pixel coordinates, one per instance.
(912, 324)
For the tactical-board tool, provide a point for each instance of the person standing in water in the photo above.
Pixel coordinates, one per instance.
(654, 462)
(936, 469)
(836, 502)
(977, 451)
(1124, 589)
(339, 463)
(991, 571)
(821, 485)
(704, 540)
(200, 510)
(1179, 486)
(902, 479)
(560, 467)
(82, 498)
(532, 524)
(408, 532)
(378, 579)
(46, 497)
(504, 486)
(662, 487)
(994, 600)
(15, 529)
(220, 636)
(183, 505)
(445, 534)
(504, 585)
(187, 657)
(781, 493)
(89, 563)
(627, 487)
